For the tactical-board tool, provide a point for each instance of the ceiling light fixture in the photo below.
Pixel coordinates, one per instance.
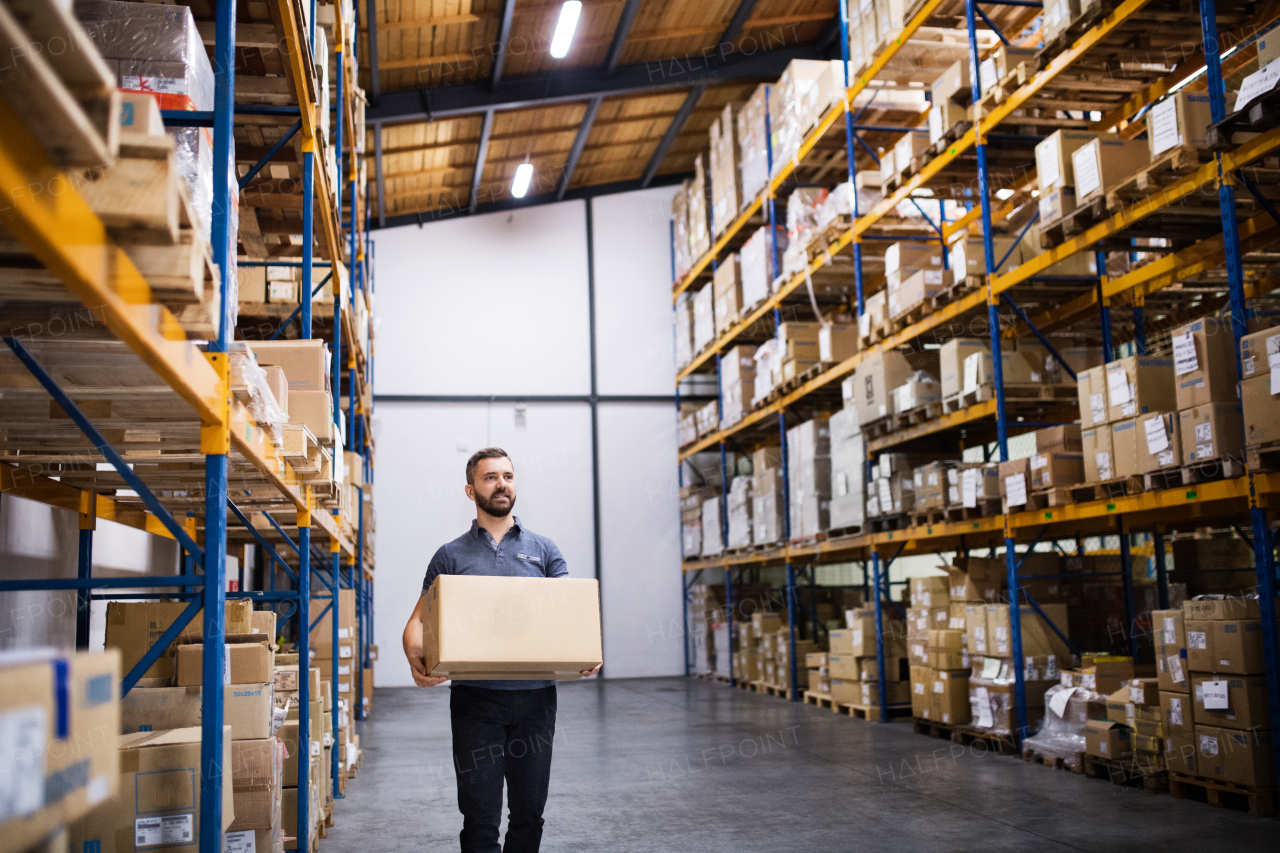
(569, 14)
(524, 174)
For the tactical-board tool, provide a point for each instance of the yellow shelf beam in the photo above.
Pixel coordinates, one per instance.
(23, 484)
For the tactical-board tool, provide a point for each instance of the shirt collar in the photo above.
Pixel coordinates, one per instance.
(476, 528)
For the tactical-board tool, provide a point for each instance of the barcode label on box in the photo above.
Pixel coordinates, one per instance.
(22, 753)
(165, 830)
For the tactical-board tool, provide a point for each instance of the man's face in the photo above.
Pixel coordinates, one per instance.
(494, 490)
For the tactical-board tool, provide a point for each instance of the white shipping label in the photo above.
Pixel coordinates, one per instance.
(1197, 640)
(226, 663)
(1163, 124)
(1038, 461)
(1118, 387)
(1275, 379)
(1208, 745)
(1204, 432)
(1066, 679)
(919, 688)
(1098, 407)
(1248, 366)
(983, 701)
(969, 487)
(1156, 438)
(1103, 458)
(1260, 81)
(857, 637)
(990, 667)
(842, 484)
(22, 761)
(1204, 451)
(971, 365)
(1165, 459)
(1184, 353)
(886, 493)
(864, 325)
(1215, 696)
(1175, 669)
(155, 85)
(1170, 635)
(240, 842)
(1175, 711)
(166, 830)
(1137, 695)
(1089, 680)
(939, 687)
(1016, 488)
(1084, 161)
(1050, 169)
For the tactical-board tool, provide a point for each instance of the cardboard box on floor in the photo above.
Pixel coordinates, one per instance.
(134, 626)
(81, 764)
(482, 627)
(257, 768)
(1107, 739)
(159, 806)
(1171, 650)
(949, 697)
(1243, 757)
(921, 692)
(1230, 701)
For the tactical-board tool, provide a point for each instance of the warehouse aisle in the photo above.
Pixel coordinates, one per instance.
(662, 765)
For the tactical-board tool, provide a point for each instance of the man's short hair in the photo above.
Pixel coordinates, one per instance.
(487, 453)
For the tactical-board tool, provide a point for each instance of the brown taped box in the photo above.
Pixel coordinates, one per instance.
(1037, 637)
(862, 636)
(485, 627)
(1246, 697)
(1222, 607)
(1228, 755)
(1211, 431)
(981, 579)
(1107, 739)
(896, 692)
(918, 650)
(1261, 411)
(918, 622)
(1149, 385)
(1229, 646)
(949, 697)
(160, 775)
(1180, 752)
(246, 708)
(1063, 438)
(1213, 379)
(84, 763)
(1049, 469)
(256, 772)
(247, 663)
(931, 591)
(1124, 447)
(1171, 650)
(1098, 465)
(895, 669)
(921, 692)
(1105, 673)
(1159, 442)
(1091, 392)
(305, 362)
(946, 649)
(134, 626)
(843, 666)
(1177, 715)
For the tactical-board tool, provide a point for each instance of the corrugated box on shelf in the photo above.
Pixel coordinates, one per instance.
(1230, 701)
(1229, 755)
(1102, 163)
(134, 626)
(1212, 433)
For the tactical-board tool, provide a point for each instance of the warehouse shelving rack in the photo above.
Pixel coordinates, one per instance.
(1157, 511)
(70, 241)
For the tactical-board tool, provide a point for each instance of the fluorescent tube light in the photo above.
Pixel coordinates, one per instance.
(568, 22)
(524, 174)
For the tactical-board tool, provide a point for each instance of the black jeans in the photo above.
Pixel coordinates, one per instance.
(497, 735)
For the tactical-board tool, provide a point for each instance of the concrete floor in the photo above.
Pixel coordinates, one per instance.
(685, 765)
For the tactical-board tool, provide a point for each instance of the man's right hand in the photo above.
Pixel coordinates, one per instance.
(419, 668)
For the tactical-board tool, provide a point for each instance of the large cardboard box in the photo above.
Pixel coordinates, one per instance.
(727, 284)
(946, 651)
(921, 692)
(951, 360)
(256, 768)
(1107, 739)
(1171, 650)
(1176, 714)
(949, 697)
(1103, 162)
(880, 373)
(1230, 701)
(60, 717)
(159, 803)
(306, 363)
(1261, 411)
(1053, 158)
(981, 580)
(1243, 757)
(1124, 447)
(1204, 363)
(1038, 638)
(1159, 442)
(1097, 454)
(246, 708)
(243, 663)
(314, 410)
(1140, 384)
(134, 626)
(485, 627)
(1091, 390)
(322, 633)
(1227, 646)
(1049, 469)
(1213, 431)
(843, 666)
(1182, 119)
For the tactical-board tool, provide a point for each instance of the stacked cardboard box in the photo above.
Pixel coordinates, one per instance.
(1228, 690)
(776, 652)
(684, 329)
(753, 146)
(818, 672)
(797, 349)
(1260, 409)
(1116, 401)
(891, 484)
(727, 294)
(1055, 172)
(766, 496)
(1057, 461)
(748, 654)
(1210, 422)
(809, 469)
(879, 374)
(712, 529)
(1105, 161)
(704, 318)
(691, 500)
(848, 470)
(740, 512)
(805, 90)
(853, 660)
(726, 169)
(699, 212)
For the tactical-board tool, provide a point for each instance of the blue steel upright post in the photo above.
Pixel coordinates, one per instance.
(215, 440)
(335, 617)
(997, 370)
(852, 167)
(1263, 544)
(879, 607)
(304, 678)
(84, 565)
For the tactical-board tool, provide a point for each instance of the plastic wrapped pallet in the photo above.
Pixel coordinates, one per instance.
(704, 320)
(699, 214)
(684, 329)
(740, 512)
(752, 144)
(680, 215)
(737, 383)
(1062, 735)
(712, 531)
(768, 369)
(766, 506)
(724, 163)
(848, 470)
(809, 469)
(756, 265)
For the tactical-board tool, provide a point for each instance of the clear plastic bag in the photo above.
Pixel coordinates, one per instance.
(262, 404)
(1062, 735)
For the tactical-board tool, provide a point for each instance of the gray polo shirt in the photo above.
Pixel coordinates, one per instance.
(522, 553)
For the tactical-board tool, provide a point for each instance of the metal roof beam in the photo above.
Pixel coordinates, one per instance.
(620, 36)
(480, 155)
(500, 56)
(579, 141)
(673, 130)
(536, 90)
(729, 38)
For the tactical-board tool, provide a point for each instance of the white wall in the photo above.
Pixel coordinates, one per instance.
(497, 304)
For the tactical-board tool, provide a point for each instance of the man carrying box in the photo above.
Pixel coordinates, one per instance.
(502, 729)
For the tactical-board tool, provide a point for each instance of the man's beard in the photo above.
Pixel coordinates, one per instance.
(493, 509)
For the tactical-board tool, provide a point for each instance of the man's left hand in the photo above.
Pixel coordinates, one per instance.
(587, 673)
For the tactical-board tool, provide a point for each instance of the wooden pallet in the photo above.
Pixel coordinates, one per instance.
(1165, 478)
(956, 290)
(1051, 497)
(918, 415)
(839, 532)
(1117, 487)
(885, 523)
(1263, 458)
(872, 712)
(965, 399)
(931, 728)
(1086, 214)
(949, 136)
(1210, 470)
(1170, 166)
(823, 238)
(1259, 115)
(772, 689)
(1072, 762)
(879, 427)
(795, 382)
(1259, 802)
(992, 742)
(1127, 772)
(985, 508)
(822, 700)
(805, 541)
(932, 516)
